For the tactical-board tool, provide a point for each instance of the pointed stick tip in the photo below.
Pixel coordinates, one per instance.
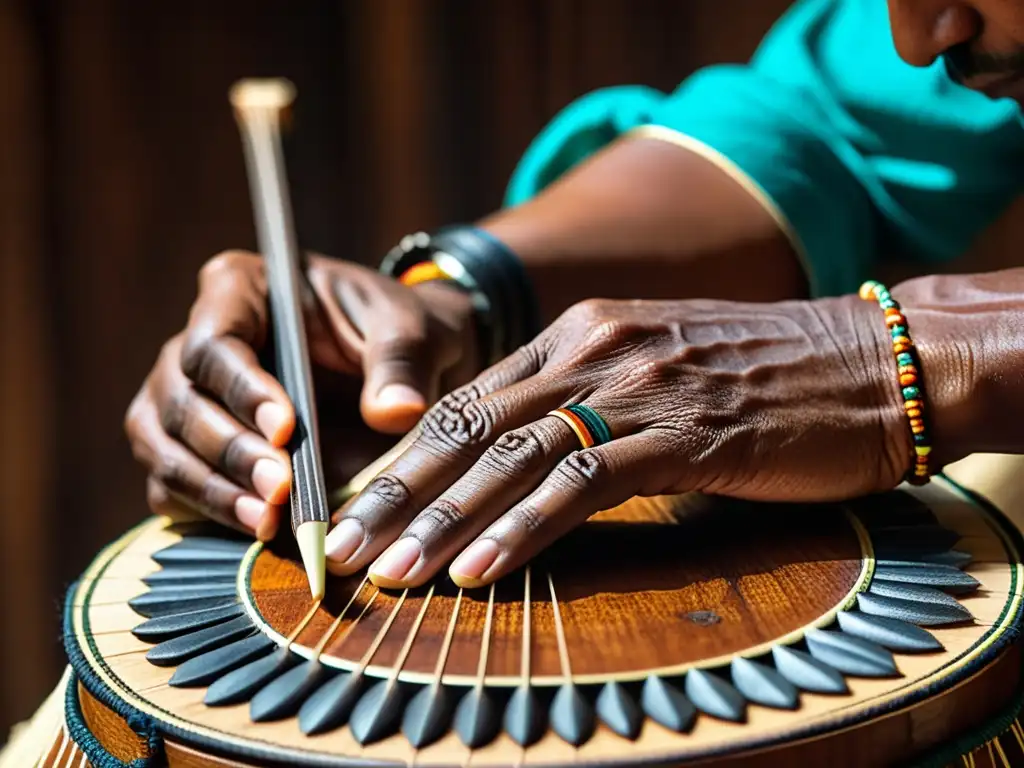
(312, 548)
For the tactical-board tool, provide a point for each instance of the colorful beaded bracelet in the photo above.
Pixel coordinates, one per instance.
(909, 371)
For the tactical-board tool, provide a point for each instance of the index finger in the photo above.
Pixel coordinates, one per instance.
(226, 328)
(451, 437)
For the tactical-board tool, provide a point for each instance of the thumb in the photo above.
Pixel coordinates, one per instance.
(402, 376)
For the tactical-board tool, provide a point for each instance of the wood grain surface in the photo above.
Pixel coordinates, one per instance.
(637, 591)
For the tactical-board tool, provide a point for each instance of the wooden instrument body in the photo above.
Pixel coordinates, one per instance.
(658, 634)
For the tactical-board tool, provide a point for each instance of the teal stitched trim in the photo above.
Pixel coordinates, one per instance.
(144, 726)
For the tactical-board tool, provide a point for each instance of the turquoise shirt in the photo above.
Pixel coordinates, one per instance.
(865, 155)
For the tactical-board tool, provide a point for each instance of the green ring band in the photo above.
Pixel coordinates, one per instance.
(598, 427)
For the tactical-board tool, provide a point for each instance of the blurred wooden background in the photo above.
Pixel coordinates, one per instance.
(121, 172)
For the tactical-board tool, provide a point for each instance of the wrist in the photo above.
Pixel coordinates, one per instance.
(967, 331)
(486, 269)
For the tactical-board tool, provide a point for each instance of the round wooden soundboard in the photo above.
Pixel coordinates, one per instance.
(665, 630)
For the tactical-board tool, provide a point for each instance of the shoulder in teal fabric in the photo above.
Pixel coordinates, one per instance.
(865, 155)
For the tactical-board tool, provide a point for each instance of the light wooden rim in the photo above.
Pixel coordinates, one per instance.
(248, 601)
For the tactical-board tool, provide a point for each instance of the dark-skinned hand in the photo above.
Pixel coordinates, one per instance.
(209, 423)
(778, 402)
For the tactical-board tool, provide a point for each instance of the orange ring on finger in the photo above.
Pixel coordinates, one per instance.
(576, 424)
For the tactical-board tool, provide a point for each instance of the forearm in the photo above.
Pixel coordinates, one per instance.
(646, 219)
(969, 330)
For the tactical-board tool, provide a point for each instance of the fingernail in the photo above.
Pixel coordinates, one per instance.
(267, 529)
(400, 396)
(475, 560)
(395, 564)
(269, 478)
(249, 510)
(271, 419)
(344, 540)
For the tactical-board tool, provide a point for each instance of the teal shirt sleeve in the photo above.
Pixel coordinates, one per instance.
(865, 156)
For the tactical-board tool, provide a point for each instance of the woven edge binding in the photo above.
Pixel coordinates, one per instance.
(142, 725)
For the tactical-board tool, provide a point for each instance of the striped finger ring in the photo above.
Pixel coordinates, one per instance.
(586, 423)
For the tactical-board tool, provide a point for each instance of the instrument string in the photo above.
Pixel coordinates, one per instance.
(58, 731)
(59, 760)
(302, 624)
(132, 652)
(151, 688)
(341, 617)
(485, 647)
(1002, 754)
(351, 627)
(525, 663)
(410, 639)
(563, 648)
(1018, 734)
(365, 661)
(481, 667)
(449, 635)
(442, 656)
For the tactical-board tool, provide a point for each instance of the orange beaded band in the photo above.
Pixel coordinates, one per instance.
(424, 272)
(908, 368)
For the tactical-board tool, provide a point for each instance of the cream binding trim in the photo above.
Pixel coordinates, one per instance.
(737, 174)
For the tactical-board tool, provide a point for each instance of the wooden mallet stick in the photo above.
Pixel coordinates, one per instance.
(260, 106)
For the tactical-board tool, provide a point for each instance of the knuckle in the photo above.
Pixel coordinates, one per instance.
(170, 351)
(584, 468)
(171, 472)
(441, 517)
(226, 261)
(526, 518)
(214, 497)
(588, 312)
(235, 458)
(613, 333)
(140, 450)
(651, 375)
(388, 491)
(459, 420)
(240, 396)
(132, 419)
(175, 414)
(198, 357)
(157, 495)
(515, 453)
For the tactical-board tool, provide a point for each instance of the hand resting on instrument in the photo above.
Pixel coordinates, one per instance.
(795, 401)
(209, 422)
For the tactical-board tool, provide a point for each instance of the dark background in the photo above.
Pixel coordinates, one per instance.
(121, 171)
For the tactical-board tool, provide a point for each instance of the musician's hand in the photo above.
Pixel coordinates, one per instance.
(796, 401)
(209, 422)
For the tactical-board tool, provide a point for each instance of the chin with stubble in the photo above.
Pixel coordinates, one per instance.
(997, 75)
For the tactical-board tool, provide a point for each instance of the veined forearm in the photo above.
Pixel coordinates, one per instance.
(646, 219)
